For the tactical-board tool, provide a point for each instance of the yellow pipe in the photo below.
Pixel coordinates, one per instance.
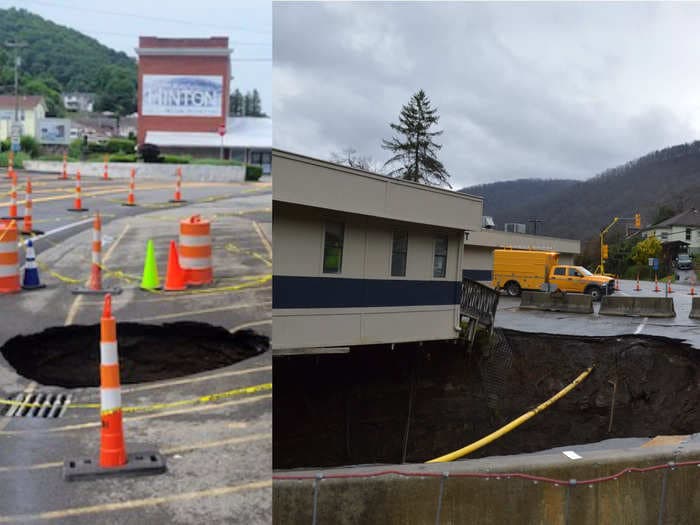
(513, 424)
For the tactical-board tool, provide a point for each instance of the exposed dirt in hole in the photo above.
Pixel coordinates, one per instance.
(70, 356)
(350, 409)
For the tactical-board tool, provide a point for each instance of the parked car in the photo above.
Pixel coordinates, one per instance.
(684, 262)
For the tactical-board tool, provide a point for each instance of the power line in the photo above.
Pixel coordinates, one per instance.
(146, 17)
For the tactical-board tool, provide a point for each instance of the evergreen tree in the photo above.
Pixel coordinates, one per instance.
(414, 151)
(255, 104)
(236, 104)
(248, 104)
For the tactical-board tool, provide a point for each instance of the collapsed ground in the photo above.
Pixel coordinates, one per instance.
(349, 409)
(70, 356)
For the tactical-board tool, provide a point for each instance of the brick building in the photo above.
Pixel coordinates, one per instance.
(183, 84)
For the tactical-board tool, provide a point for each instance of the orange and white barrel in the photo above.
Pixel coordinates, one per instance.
(27, 223)
(112, 448)
(195, 250)
(9, 257)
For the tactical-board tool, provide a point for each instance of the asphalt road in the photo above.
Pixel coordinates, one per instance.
(217, 449)
(680, 327)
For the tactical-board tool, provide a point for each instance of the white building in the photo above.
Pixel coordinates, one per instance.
(32, 108)
(362, 258)
(248, 139)
(76, 101)
(684, 227)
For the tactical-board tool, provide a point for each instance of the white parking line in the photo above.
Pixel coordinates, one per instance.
(59, 229)
(641, 326)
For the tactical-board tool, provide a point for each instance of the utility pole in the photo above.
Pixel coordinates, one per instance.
(16, 46)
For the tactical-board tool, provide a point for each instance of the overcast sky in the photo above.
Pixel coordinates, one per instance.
(523, 90)
(248, 24)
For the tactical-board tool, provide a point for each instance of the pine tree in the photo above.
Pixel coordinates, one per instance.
(248, 104)
(236, 104)
(256, 105)
(415, 152)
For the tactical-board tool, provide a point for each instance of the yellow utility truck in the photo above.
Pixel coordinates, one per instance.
(517, 270)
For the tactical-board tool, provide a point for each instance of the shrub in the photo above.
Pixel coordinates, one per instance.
(18, 162)
(150, 153)
(176, 159)
(27, 143)
(123, 157)
(75, 148)
(253, 173)
(120, 145)
(216, 162)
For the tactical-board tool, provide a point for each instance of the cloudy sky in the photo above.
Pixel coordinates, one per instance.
(524, 90)
(248, 24)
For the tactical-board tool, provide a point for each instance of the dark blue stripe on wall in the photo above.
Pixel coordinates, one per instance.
(329, 292)
(477, 275)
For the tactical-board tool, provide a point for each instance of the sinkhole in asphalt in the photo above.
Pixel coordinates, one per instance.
(69, 356)
(418, 402)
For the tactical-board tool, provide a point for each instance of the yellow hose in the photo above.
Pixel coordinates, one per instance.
(513, 424)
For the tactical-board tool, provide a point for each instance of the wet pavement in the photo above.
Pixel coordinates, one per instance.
(680, 327)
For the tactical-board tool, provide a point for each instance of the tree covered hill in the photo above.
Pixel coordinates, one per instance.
(664, 179)
(58, 59)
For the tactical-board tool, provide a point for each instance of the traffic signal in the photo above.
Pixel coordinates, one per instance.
(605, 251)
(637, 220)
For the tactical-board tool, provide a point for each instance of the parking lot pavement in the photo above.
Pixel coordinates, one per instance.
(680, 327)
(218, 449)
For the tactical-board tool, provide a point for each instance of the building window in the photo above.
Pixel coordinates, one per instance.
(333, 247)
(687, 234)
(664, 236)
(399, 252)
(440, 258)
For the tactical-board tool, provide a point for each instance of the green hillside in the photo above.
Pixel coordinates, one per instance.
(61, 59)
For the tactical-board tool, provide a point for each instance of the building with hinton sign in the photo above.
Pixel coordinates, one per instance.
(183, 101)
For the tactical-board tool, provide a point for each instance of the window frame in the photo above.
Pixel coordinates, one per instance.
(437, 255)
(395, 252)
(324, 247)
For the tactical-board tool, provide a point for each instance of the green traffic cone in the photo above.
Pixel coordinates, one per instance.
(150, 280)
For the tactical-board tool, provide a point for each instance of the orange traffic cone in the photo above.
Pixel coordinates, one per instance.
(28, 227)
(112, 448)
(113, 460)
(637, 288)
(13, 199)
(178, 186)
(95, 283)
(692, 289)
(656, 284)
(78, 202)
(669, 286)
(64, 173)
(131, 201)
(105, 175)
(175, 277)
(617, 285)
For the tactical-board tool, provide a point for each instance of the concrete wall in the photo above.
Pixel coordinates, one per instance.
(658, 496)
(313, 182)
(122, 170)
(336, 318)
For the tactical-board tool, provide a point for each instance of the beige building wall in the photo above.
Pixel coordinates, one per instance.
(29, 122)
(298, 232)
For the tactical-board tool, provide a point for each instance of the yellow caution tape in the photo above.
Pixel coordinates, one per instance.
(160, 406)
(231, 247)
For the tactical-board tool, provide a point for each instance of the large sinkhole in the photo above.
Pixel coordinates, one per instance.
(70, 356)
(417, 402)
